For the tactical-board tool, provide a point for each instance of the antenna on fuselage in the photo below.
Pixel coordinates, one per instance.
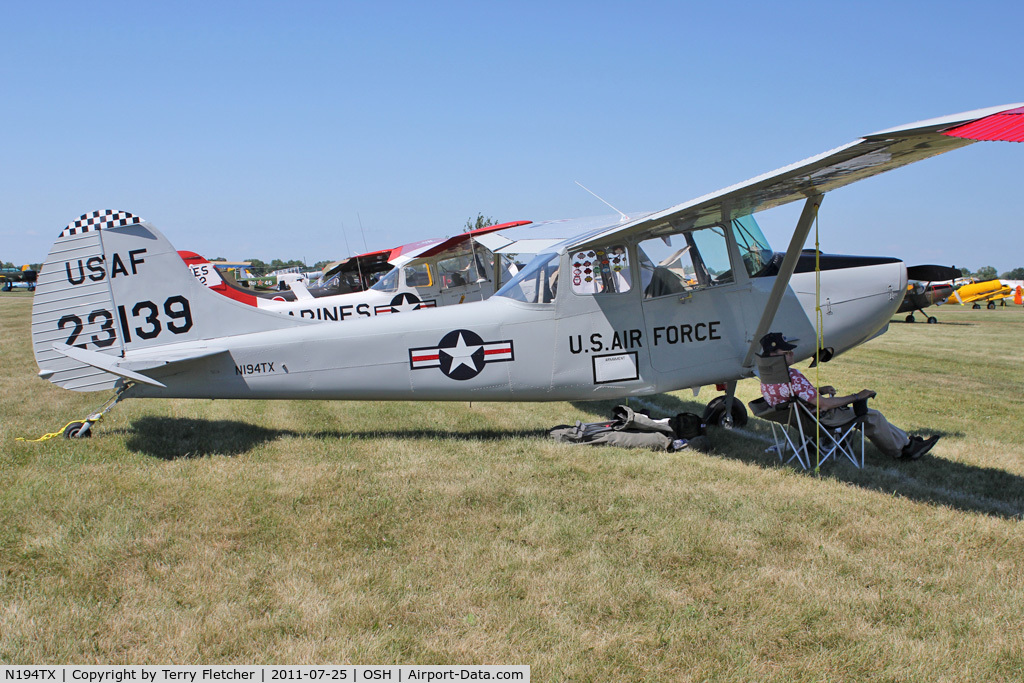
(624, 217)
(359, 268)
(365, 250)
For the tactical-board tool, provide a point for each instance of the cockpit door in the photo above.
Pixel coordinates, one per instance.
(693, 306)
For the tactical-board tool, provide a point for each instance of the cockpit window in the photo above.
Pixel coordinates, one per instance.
(536, 283)
(418, 275)
(602, 269)
(457, 270)
(388, 283)
(754, 249)
(684, 262)
(415, 276)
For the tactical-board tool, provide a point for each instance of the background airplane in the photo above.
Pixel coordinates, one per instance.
(423, 274)
(649, 304)
(988, 292)
(18, 277)
(928, 286)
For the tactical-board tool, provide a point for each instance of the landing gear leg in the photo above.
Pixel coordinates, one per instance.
(81, 430)
(725, 411)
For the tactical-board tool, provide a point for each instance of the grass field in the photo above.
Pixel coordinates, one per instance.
(193, 531)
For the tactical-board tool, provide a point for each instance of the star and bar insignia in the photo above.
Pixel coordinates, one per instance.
(406, 301)
(461, 354)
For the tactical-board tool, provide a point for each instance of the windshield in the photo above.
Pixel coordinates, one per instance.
(388, 283)
(754, 248)
(536, 283)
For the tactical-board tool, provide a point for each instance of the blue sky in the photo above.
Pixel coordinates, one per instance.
(274, 129)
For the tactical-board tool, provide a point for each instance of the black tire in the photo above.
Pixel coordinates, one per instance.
(976, 307)
(910, 318)
(73, 429)
(715, 414)
(991, 305)
(932, 320)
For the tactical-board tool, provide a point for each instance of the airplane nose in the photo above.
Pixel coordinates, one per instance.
(858, 297)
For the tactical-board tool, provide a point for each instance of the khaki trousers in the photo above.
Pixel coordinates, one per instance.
(886, 436)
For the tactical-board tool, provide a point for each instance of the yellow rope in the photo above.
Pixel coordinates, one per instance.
(93, 418)
(46, 437)
(818, 324)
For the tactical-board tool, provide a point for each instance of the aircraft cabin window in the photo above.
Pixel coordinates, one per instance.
(537, 283)
(602, 269)
(418, 276)
(388, 283)
(684, 262)
(458, 270)
(754, 248)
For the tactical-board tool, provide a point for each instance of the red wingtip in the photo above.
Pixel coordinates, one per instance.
(1006, 126)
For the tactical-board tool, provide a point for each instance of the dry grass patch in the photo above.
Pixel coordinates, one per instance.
(226, 531)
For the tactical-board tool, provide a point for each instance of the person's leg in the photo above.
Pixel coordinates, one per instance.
(886, 436)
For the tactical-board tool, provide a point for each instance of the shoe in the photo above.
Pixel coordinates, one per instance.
(926, 445)
(918, 447)
(911, 448)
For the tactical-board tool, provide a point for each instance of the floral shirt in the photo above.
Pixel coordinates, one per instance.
(800, 386)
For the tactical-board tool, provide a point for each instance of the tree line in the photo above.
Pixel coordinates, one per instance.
(990, 273)
(8, 264)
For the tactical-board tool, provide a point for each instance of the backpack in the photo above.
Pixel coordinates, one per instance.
(688, 426)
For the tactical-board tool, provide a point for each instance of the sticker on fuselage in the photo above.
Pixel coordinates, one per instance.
(615, 367)
(461, 355)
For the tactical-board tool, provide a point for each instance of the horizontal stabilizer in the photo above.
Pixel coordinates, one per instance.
(102, 361)
(299, 287)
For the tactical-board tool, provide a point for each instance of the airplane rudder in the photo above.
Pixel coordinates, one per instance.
(73, 304)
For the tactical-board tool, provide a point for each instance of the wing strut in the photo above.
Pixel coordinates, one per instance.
(786, 270)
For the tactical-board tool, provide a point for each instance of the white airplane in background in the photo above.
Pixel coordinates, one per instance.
(468, 267)
(655, 303)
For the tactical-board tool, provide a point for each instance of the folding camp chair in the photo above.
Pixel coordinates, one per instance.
(796, 427)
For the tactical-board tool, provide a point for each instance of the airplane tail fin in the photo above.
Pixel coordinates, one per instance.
(113, 286)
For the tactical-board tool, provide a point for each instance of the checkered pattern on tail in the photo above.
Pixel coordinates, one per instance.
(99, 220)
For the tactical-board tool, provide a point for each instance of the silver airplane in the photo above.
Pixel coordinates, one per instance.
(641, 305)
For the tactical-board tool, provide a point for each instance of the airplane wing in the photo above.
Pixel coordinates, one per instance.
(541, 236)
(932, 273)
(869, 156)
(466, 236)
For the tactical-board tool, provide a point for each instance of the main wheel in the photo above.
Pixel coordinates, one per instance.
(932, 320)
(991, 305)
(715, 414)
(73, 431)
(976, 307)
(910, 318)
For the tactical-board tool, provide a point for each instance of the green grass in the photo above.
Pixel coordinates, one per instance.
(309, 532)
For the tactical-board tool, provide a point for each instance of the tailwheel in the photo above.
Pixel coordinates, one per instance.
(74, 431)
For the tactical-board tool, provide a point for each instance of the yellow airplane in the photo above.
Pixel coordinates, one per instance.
(977, 292)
